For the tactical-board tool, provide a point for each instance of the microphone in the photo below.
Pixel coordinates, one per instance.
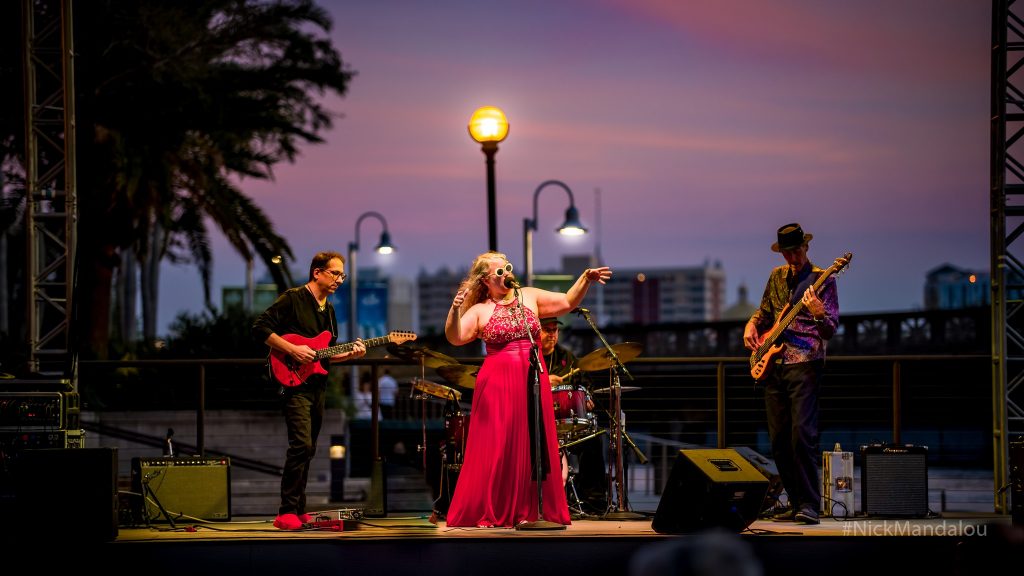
(510, 282)
(580, 310)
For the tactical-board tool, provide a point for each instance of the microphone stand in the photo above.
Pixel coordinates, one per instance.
(621, 512)
(540, 523)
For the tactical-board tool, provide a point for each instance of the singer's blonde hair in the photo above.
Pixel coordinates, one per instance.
(473, 283)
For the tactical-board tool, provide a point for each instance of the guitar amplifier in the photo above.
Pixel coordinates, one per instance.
(185, 487)
(894, 480)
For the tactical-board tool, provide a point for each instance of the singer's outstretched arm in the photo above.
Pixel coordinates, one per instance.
(556, 303)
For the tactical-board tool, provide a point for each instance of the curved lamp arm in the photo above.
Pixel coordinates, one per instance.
(572, 223)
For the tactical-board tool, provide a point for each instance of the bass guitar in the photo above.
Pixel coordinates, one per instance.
(763, 356)
(288, 372)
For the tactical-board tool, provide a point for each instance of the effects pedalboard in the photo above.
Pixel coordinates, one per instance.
(334, 520)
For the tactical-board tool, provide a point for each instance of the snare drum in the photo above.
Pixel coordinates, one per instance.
(570, 409)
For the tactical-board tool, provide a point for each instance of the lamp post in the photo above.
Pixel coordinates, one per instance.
(377, 500)
(488, 126)
(571, 226)
(384, 247)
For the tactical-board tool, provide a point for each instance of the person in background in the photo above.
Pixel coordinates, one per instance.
(387, 388)
(363, 399)
(498, 484)
(304, 311)
(792, 383)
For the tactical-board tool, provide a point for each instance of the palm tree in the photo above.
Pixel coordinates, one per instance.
(183, 99)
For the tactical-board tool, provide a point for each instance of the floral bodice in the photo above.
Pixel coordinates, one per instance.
(506, 324)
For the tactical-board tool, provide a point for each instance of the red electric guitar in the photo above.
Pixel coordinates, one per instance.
(763, 357)
(288, 372)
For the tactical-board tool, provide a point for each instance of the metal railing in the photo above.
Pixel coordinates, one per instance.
(940, 400)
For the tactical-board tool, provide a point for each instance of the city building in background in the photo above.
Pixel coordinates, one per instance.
(435, 292)
(948, 287)
(743, 309)
(385, 303)
(633, 296)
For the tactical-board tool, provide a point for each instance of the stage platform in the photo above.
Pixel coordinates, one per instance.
(414, 544)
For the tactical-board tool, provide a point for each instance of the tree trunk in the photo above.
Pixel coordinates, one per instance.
(151, 282)
(126, 290)
(97, 272)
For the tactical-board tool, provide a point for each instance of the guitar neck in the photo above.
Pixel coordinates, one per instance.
(347, 346)
(788, 318)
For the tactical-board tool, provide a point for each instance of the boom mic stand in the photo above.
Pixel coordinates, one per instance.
(621, 512)
(540, 523)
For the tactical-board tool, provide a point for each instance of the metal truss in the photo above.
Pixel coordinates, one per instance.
(51, 202)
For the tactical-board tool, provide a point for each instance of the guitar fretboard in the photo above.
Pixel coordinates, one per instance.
(347, 346)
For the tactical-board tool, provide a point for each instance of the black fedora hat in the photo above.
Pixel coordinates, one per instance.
(554, 320)
(791, 236)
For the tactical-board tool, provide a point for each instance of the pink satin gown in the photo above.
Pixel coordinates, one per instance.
(495, 487)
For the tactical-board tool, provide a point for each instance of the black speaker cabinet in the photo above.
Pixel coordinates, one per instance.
(186, 487)
(894, 480)
(67, 487)
(710, 488)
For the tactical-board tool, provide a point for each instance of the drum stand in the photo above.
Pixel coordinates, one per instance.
(422, 447)
(575, 505)
(616, 425)
(620, 510)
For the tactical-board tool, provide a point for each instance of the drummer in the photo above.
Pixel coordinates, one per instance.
(588, 456)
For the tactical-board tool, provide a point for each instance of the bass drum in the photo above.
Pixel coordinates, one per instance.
(456, 429)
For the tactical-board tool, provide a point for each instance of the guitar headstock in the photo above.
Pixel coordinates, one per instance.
(401, 336)
(842, 262)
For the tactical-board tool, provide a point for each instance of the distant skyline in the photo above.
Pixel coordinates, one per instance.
(705, 126)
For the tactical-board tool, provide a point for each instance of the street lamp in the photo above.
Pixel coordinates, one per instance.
(384, 247)
(571, 226)
(488, 126)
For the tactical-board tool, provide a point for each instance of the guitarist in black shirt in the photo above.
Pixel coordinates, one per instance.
(791, 380)
(304, 311)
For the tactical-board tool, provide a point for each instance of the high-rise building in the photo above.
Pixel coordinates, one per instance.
(435, 293)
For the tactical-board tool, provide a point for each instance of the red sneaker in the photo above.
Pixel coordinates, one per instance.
(287, 522)
(305, 518)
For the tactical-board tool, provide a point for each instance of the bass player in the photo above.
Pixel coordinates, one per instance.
(304, 311)
(792, 381)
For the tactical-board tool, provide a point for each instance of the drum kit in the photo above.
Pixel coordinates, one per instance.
(575, 422)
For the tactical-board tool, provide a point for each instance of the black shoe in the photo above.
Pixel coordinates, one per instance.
(806, 515)
(786, 515)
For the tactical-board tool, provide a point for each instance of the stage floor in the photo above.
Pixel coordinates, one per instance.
(400, 544)
(420, 526)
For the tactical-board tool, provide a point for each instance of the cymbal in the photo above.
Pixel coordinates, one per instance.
(437, 390)
(459, 374)
(600, 359)
(428, 357)
(621, 388)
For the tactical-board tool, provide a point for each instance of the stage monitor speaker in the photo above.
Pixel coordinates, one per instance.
(186, 487)
(894, 480)
(767, 467)
(710, 488)
(66, 488)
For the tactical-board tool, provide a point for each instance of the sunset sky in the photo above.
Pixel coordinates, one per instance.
(705, 125)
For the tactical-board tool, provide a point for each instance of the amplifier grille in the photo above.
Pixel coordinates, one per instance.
(895, 481)
(192, 487)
